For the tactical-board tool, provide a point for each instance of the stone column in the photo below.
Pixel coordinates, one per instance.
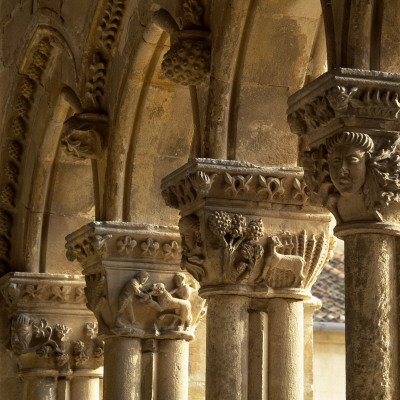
(286, 346)
(138, 295)
(349, 132)
(53, 334)
(40, 384)
(235, 243)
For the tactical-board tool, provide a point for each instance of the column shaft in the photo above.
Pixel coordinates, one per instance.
(286, 350)
(122, 368)
(227, 348)
(85, 387)
(173, 369)
(40, 388)
(371, 317)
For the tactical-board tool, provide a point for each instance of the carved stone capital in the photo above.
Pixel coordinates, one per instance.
(84, 135)
(349, 144)
(233, 238)
(48, 318)
(133, 281)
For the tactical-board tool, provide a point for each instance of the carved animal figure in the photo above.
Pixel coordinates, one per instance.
(165, 301)
(283, 262)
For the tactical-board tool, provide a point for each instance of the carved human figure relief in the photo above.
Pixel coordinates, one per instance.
(192, 246)
(179, 309)
(132, 292)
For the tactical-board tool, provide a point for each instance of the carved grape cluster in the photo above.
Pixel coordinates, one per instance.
(187, 62)
(236, 226)
(220, 223)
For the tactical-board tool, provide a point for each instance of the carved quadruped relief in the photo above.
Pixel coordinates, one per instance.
(295, 261)
(84, 135)
(167, 312)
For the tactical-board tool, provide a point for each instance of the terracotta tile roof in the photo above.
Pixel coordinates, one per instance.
(329, 288)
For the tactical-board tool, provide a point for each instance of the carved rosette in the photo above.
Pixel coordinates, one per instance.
(47, 318)
(348, 123)
(233, 240)
(134, 285)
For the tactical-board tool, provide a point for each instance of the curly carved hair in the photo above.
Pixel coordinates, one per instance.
(356, 139)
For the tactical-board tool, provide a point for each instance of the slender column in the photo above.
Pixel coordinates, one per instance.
(227, 346)
(309, 308)
(147, 310)
(173, 369)
(352, 165)
(40, 385)
(243, 262)
(286, 350)
(84, 387)
(122, 368)
(372, 319)
(258, 356)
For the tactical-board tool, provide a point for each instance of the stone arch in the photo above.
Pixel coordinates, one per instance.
(25, 131)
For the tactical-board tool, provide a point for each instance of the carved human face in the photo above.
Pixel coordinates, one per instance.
(347, 167)
(21, 335)
(188, 240)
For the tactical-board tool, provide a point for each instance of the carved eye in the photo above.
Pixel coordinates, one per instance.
(353, 159)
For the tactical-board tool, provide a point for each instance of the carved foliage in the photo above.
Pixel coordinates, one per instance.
(287, 190)
(339, 100)
(16, 293)
(193, 11)
(239, 238)
(30, 336)
(81, 250)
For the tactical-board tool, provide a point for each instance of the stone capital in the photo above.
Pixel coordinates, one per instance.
(134, 284)
(50, 325)
(348, 123)
(234, 240)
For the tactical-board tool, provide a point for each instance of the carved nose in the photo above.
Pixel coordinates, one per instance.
(343, 171)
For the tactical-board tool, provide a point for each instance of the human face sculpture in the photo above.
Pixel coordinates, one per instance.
(347, 168)
(21, 334)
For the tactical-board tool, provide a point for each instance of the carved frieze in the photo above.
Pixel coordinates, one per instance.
(344, 94)
(26, 291)
(98, 240)
(202, 178)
